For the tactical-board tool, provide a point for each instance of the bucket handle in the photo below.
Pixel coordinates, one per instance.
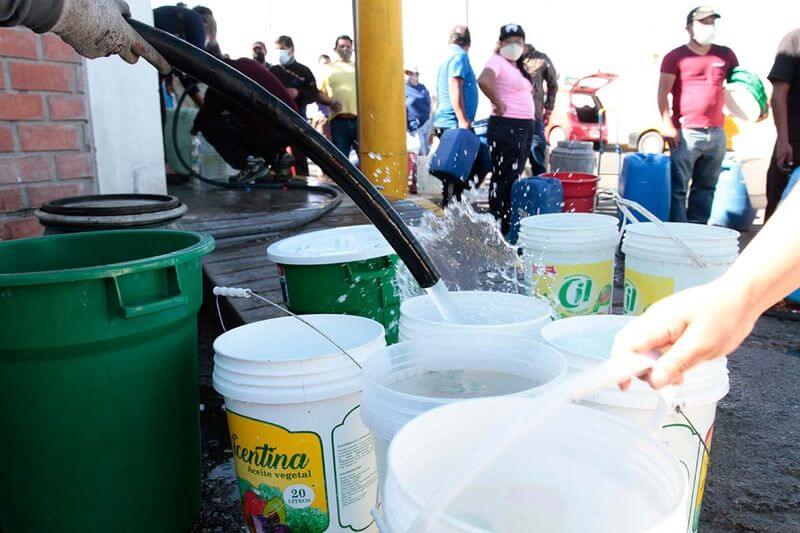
(668, 404)
(163, 304)
(624, 204)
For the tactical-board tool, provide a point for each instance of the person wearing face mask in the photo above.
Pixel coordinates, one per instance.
(260, 54)
(339, 85)
(418, 110)
(694, 74)
(507, 85)
(301, 85)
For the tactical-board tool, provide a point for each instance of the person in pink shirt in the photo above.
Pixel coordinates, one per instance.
(508, 86)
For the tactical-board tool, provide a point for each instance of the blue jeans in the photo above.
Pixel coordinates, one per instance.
(344, 134)
(698, 157)
(538, 156)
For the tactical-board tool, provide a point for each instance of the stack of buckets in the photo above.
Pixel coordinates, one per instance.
(569, 260)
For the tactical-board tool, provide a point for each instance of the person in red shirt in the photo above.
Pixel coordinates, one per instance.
(694, 75)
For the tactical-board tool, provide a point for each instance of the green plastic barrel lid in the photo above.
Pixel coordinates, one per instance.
(745, 96)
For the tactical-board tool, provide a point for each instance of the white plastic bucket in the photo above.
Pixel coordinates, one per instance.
(385, 407)
(569, 259)
(497, 313)
(657, 266)
(578, 470)
(292, 398)
(586, 341)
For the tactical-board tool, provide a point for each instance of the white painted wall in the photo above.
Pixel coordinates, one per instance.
(126, 121)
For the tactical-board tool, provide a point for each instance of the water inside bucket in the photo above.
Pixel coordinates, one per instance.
(463, 383)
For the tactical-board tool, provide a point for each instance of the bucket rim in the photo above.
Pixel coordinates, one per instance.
(417, 300)
(682, 230)
(203, 245)
(295, 250)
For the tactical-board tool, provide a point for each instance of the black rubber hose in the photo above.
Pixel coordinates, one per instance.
(254, 98)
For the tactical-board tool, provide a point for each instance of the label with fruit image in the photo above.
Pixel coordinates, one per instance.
(281, 476)
(643, 290)
(575, 289)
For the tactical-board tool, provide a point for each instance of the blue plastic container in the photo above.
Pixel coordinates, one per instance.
(732, 207)
(533, 196)
(646, 179)
(793, 181)
(455, 156)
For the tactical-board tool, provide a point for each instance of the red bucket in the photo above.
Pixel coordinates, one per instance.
(579, 190)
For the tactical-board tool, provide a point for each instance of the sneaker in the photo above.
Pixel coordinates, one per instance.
(256, 169)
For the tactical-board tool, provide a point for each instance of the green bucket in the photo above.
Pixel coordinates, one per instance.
(745, 96)
(98, 381)
(348, 270)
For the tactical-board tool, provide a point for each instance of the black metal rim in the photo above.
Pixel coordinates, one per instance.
(63, 206)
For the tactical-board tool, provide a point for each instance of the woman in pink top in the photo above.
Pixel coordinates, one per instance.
(508, 86)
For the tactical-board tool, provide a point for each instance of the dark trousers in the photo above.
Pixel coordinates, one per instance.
(344, 134)
(509, 145)
(777, 179)
(538, 155)
(235, 142)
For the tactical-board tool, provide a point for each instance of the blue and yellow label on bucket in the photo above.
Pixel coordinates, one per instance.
(281, 476)
(583, 289)
(643, 290)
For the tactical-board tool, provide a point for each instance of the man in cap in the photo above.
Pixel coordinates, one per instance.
(694, 74)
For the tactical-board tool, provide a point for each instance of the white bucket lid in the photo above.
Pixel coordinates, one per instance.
(577, 470)
(568, 222)
(385, 410)
(282, 360)
(331, 246)
(587, 340)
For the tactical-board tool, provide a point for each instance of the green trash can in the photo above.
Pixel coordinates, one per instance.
(348, 270)
(99, 418)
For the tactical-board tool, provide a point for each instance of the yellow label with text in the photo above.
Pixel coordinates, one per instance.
(281, 475)
(582, 289)
(643, 290)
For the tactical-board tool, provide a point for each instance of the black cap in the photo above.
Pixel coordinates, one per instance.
(701, 12)
(511, 30)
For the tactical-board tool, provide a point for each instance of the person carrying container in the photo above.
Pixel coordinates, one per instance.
(694, 74)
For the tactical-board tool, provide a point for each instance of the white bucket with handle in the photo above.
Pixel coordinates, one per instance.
(574, 471)
(685, 427)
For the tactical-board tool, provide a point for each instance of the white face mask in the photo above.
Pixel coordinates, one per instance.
(703, 33)
(512, 51)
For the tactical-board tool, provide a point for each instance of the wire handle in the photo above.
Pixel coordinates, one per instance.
(234, 292)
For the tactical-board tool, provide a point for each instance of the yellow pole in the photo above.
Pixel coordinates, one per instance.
(381, 95)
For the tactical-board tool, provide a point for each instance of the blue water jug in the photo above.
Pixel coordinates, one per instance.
(533, 196)
(732, 207)
(455, 156)
(794, 179)
(646, 179)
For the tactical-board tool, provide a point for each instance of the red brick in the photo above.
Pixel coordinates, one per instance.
(6, 139)
(41, 77)
(9, 171)
(70, 166)
(80, 79)
(11, 200)
(43, 194)
(21, 107)
(67, 107)
(18, 228)
(57, 50)
(2, 79)
(35, 168)
(18, 43)
(47, 137)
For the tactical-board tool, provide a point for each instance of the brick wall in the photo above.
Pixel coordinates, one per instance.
(45, 138)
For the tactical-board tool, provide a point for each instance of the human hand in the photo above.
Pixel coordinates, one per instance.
(687, 328)
(671, 135)
(499, 108)
(464, 124)
(784, 155)
(336, 106)
(97, 28)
